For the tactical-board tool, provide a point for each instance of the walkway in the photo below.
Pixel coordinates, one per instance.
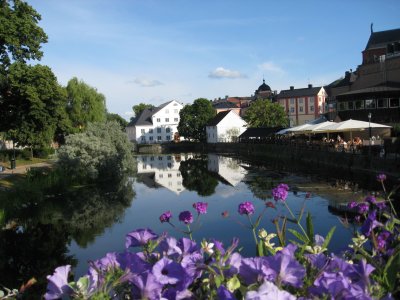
(22, 169)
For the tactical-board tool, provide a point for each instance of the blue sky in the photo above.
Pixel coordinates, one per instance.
(153, 51)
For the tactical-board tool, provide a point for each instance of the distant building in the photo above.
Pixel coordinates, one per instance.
(263, 92)
(156, 125)
(303, 105)
(226, 106)
(374, 88)
(225, 127)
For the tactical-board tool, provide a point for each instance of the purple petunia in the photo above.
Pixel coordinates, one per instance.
(166, 216)
(167, 271)
(246, 208)
(139, 237)
(362, 208)
(57, 286)
(352, 204)
(146, 286)
(186, 217)
(201, 207)
(381, 177)
(280, 193)
(370, 199)
(269, 291)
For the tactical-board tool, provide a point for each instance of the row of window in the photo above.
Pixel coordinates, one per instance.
(158, 120)
(169, 157)
(169, 165)
(159, 138)
(369, 104)
(158, 129)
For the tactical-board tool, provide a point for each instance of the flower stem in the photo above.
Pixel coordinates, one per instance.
(297, 222)
(190, 232)
(253, 228)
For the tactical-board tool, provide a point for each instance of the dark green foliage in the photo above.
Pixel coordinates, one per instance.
(20, 35)
(137, 109)
(194, 118)
(264, 113)
(117, 118)
(85, 104)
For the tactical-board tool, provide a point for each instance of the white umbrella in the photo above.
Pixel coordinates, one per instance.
(349, 125)
(299, 128)
(282, 131)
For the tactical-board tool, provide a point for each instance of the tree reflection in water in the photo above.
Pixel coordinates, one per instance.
(35, 236)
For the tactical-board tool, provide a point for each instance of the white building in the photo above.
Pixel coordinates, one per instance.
(225, 127)
(228, 168)
(156, 125)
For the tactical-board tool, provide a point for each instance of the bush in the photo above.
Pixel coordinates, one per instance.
(43, 152)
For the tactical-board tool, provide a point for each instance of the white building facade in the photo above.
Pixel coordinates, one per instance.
(157, 125)
(225, 127)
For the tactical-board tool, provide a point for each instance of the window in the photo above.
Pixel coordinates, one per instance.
(312, 108)
(394, 102)
(169, 175)
(152, 158)
(144, 158)
(169, 157)
(143, 139)
(168, 138)
(167, 130)
(166, 119)
(292, 101)
(176, 111)
(151, 130)
(381, 103)
(343, 106)
(311, 99)
(160, 175)
(292, 109)
(158, 120)
(159, 138)
(176, 120)
(150, 138)
(169, 165)
(350, 105)
(142, 131)
(359, 104)
(301, 100)
(370, 103)
(160, 158)
(178, 175)
(300, 108)
(158, 130)
(167, 111)
(144, 167)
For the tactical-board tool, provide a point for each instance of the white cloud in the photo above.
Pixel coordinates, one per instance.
(129, 114)
(271, 67)
(221, 72)
(147, 82)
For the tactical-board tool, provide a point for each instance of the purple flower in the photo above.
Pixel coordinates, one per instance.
(370, 223)
(269, 291)
(167, 271)
(246, 208)
(352, 204)
(381, 177)
(169, 246)
(255, 270)
(370, 199)
(132, 262)
(224, 294)
(362, 208)
(139, 237)
(186, 217)
(166, 216)
(187, 246)
(382, 239)
(280, 193)
(380, 205)
(57, 286)
(219, 246)
(201, 207)
(146, 286)
(317, 261)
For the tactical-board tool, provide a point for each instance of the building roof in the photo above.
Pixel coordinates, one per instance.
(293, 93)
(218, 118)
(381, 38)
(264, 87)
(144, 119)
(259, 132)
(225, 104)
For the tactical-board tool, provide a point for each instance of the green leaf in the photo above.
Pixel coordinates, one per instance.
(260, 248)
(310, 228)
(328, 237)
(218, 280)
(233, 284)
(299, 236)
(391, 270)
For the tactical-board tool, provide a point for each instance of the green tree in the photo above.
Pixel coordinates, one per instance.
(20, 35)
(85, 104)
(117, 118)
(32, 105)
(264, 113)
(137, 109)
(102, 152)
(194, 118)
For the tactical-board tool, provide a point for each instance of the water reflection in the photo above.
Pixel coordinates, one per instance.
(35, 235)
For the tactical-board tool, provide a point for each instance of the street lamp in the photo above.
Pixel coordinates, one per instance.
(369, 128)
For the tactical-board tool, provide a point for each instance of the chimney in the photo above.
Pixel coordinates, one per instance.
(310, 86)
(291, 87)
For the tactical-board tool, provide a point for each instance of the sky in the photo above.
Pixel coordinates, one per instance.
(154, 51)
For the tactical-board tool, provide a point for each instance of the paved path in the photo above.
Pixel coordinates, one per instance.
(22, 169)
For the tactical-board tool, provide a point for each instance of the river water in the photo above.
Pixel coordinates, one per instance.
(86, 225)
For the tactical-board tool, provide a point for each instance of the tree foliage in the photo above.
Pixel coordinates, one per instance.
(194, 118)
(32, 105)
(117, 118)
(85, 104)
(101, 152)
(137, 109)
(264, 113)
(20, 35)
